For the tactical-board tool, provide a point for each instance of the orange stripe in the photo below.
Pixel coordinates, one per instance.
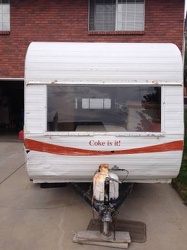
(62, 150)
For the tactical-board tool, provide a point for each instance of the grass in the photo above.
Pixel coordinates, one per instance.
(180, 183)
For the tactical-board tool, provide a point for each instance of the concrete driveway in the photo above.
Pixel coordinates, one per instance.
(32, 218)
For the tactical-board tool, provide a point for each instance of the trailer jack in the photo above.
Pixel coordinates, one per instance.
(105, 196)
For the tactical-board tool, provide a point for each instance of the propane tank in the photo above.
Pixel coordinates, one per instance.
(99, 184)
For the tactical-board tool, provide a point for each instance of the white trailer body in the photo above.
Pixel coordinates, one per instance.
(93, 103)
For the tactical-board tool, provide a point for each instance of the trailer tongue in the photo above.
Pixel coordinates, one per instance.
(107, 195)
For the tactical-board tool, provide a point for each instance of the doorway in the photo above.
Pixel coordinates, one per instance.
(11, 107)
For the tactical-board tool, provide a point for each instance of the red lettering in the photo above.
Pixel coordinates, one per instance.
(96, 143)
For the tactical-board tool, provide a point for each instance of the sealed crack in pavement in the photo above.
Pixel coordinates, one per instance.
(12, 173)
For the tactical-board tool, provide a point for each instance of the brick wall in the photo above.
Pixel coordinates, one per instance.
(60, 20)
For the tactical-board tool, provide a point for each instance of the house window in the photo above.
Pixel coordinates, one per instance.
(4, 15)
(116, 15)
(96, 103)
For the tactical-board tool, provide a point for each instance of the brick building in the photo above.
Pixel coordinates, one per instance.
(22, 22)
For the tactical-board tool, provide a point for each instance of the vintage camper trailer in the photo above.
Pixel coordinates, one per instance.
(93, 103)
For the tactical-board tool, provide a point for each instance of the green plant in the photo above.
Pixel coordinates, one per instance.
(180, 183)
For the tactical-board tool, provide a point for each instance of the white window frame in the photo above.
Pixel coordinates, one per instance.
(117, 14)
(4, 15)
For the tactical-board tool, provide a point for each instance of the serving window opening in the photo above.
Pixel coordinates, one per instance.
(91, 108)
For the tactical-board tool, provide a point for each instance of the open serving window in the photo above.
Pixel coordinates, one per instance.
(109, 108)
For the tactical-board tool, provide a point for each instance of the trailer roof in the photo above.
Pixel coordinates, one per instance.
(103, 63)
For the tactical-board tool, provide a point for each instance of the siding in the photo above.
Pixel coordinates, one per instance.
(35, 109)
(143, 167)
(174, 119)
